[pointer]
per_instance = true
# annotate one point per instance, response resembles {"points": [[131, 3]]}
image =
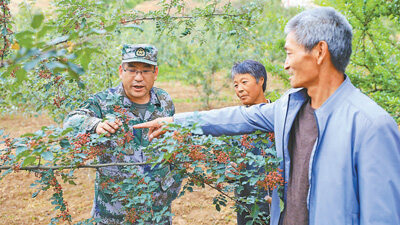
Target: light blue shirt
{"points": [[354, 170]]}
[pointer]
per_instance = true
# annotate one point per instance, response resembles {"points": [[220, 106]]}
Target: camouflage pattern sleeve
{"points": [[166, 101], [85, 118]]}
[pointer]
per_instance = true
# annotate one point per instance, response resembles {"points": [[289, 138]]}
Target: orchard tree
{"points": [[375, 62]]}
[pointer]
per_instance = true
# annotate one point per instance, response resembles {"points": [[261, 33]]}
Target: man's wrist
{"points": [[93, 123]]}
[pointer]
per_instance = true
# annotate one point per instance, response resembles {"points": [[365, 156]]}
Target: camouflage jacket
{"points": [[101, 106]]}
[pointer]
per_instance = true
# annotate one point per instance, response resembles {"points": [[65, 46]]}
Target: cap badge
{"points": [[140, 52]]}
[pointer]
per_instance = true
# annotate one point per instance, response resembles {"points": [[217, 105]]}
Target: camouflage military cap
{"points": [[144, 53]]}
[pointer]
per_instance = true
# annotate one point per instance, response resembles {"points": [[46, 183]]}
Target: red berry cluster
{"points": [[195, 153], [58, 81], [173, 157], [180, 137], [141, 181], [81, 140], [123, 113], [241, 166], [222, 157], [5, 20], [33, 144], [246, 141], [57, 101], [105, 184], [80, 144], [64, 214], [272, 180], [128, 137], [16, 168], [116, 190], [57, 187], [5, 158], [131, 215], [270, 136], [8, 142], [197, 179], [45, 74]]}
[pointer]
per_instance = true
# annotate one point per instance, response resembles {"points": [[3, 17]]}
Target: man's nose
{"points": [[286, 65], [138, 76]]}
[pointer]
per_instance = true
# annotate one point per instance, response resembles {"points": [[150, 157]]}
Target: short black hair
{"points": [[254, 68]]}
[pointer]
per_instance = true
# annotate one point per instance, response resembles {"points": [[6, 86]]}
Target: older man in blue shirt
{"points": [[341, 151]]}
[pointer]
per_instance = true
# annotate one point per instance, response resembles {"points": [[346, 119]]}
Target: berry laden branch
{"points": [[72, 167]]}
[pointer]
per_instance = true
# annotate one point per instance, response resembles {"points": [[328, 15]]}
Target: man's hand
{"points": [[108, 127], [156, 127]]}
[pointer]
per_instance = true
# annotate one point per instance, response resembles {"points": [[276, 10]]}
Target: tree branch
{"points": [[181, 17], [94, 166]]}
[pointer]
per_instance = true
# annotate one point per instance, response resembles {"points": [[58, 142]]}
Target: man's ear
{"points": [[261, 81], [120, 71], [155, 72], [321, 52]]}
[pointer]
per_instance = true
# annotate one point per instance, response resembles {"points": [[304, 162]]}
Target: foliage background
{"points": [[53, 59]]}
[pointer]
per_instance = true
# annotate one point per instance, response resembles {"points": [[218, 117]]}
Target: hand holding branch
{"points": [[108, 127]]}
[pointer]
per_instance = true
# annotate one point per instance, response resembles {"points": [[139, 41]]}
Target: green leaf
{"points": [[67, 130], [217, 207], [64, 143], [25, 38], [81, 85], [134, 26], [111, 27], [55, 64], [20, 149], [31, 64], [58, 40], [35, 193], [20, 75], [255, 211], [98, 31], [37, 20], [48, 156], [43, 31], [77, 69], [71, 182], [29, 161]]}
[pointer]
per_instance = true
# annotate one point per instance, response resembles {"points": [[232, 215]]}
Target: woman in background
{"points": [[250, 81]]}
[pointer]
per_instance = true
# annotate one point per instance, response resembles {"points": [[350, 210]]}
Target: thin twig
{"points": [[181, 17], [73, 167]]}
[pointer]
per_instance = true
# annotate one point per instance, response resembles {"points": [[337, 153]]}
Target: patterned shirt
{"points": [[101, 106]]}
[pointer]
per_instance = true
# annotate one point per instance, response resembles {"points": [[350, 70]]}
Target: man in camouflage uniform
{"points": [[141, 102]]}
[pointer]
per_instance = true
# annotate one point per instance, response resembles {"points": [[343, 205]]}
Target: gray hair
{"points": [[254, 68], [324, 24]]}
